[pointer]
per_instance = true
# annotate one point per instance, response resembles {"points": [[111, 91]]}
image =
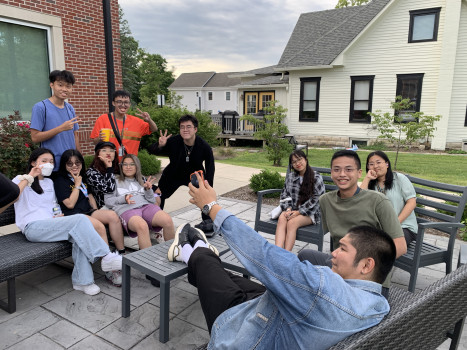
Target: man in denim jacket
{"points": [[300, 306]]}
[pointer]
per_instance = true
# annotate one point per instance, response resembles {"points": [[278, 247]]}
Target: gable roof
{"points": [[222, 80], [319, 37], [204, 79], [254, 72], [192, 80]]}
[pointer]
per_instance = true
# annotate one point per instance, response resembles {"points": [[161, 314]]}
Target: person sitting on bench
{"points": [[299, 305]]}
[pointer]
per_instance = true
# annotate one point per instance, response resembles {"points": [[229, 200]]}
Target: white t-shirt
{"points": [[32, 206]]}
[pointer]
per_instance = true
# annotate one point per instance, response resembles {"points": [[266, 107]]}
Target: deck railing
{"points": [[231, 124]]}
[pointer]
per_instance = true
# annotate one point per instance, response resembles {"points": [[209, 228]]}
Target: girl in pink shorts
{"points": [[134, 201]]}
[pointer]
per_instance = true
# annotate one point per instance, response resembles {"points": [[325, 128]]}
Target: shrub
{"points": [[266, 180], [88, 160], [150, 165], [15, 145]]}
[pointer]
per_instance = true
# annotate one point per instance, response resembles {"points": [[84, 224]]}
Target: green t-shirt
{"points": [[368, 208]]}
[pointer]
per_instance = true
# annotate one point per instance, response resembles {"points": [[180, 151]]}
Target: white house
{"points": [[345, 62], [207, 91]]}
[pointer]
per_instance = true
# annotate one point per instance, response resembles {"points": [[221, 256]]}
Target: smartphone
{"points": [[194, 179]]}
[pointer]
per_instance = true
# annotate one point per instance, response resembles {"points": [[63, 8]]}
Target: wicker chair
{"points": [[422, 320], [19, 256]]}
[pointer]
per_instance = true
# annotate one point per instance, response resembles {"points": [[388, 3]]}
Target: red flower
{"points": [[27, 145]]}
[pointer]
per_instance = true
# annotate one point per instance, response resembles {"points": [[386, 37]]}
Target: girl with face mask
{"points": [[37, 218]]}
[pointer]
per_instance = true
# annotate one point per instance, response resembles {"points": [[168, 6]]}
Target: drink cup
{"points": [[106, 134]]}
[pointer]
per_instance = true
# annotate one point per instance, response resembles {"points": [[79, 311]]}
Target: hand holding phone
{"points": [[194, 179]]}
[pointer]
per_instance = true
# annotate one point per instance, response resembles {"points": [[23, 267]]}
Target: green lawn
{"points": [[443, 168]]}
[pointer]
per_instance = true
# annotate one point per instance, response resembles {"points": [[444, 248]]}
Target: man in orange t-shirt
{"points": [[131, 129]]}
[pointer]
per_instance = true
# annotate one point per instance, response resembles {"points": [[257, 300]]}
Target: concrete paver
{"points": [[51, 315]]}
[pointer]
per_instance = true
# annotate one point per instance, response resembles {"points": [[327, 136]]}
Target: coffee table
{"points": [[153, 261]]}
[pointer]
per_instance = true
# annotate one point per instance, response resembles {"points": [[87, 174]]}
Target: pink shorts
{"points": [[147, 212]]}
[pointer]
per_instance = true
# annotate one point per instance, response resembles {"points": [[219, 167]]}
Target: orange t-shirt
{"points": [[135, 129]]}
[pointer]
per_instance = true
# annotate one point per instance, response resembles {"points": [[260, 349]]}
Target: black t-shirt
{"points": [[63, 187]]}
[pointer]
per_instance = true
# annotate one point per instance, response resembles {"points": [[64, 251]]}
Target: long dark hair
{"points": [[307, 186], [66, 156], [36, 187], [100, 166], [389, 178]]}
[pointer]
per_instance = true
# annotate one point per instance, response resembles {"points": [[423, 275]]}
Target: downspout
{"points": [[109, 53]]}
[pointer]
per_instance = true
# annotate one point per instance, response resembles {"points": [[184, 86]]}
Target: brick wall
{"points": [[84, 45]]}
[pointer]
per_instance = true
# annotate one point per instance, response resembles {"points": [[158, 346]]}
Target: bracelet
{"points": [[27, 177]]}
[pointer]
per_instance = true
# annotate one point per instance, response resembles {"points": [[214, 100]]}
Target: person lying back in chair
{"points": [[299, 305]]}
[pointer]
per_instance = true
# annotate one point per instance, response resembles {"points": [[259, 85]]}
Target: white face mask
{"points": [[47, 169]]}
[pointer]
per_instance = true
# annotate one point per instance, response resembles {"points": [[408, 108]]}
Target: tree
{"points": [[346, 3], [155, 77], [271, 129], [415, 126], [129, 48]]}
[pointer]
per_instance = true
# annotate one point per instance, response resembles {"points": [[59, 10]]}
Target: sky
{"points": [[216, 35]]}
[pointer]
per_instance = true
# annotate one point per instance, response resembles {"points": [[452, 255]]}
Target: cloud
{"points": [[229, 35]]}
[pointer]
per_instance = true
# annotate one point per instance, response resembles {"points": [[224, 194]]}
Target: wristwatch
{"points": [[207, 208]]}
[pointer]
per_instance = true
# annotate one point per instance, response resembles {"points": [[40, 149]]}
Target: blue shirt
{"points": [[304, 307], [42, 121]]}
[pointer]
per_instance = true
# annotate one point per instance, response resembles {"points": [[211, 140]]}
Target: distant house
{"points": [[345, 62], [207, 91], [37, 37], [260, 86]]}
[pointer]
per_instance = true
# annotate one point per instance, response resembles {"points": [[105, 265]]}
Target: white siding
{"points": [[383, 51], [456, 129]]}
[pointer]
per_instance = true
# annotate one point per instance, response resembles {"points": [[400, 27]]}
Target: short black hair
{"points": [[370, 242], [188, 118], [62, 75], [120, 93], [347, 153]]}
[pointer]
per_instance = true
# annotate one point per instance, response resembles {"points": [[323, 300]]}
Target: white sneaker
{"points": [[89, 289], [111, 262], [114, 277]]}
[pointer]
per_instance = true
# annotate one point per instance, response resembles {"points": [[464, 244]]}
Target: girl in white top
{"points": [[38, 218]]}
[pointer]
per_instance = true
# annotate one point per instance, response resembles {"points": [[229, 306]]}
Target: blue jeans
{"points": [[88, 246]]}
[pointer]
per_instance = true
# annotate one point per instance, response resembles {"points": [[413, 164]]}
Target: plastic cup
{"points": [[106, 134]]}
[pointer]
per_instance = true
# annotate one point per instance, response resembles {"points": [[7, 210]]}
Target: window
{"points": [[309, 99], [24, 53], [410, 86], [255, 101], [227, 95], [424, 25], [361, 96], [210, 96]]}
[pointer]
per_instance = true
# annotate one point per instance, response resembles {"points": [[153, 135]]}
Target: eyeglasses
{"points": [[186, 127], [122, 103], [107, 150], [377, 163], [70, 164], [296, 161], [347, 170], [128, 165]]}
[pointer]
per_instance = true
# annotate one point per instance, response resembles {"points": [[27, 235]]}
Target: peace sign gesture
{"points": [[145, 115], [148, 184], [163, 138]]}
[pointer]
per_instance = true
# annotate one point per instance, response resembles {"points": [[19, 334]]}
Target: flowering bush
{"points": [[15, 145]]}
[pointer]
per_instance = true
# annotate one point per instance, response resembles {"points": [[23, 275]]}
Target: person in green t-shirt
{"points": [[351, 206]]}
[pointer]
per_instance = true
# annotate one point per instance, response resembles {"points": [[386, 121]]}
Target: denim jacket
{"points": [[304, 307]]}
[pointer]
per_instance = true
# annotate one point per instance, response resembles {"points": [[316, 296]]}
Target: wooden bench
{"points": [[19, 256]]}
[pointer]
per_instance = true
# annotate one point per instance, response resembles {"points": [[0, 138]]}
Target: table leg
{"points": [[126, 281], [164, 312]]}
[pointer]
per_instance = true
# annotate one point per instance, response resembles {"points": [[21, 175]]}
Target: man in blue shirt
{"points": [[299, 305], [53, 121]]}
